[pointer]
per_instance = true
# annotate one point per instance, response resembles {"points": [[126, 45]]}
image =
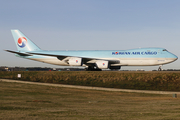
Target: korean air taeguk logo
{"points": [[22, 41]]}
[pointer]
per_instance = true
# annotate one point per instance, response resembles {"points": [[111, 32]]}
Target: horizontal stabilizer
{"points": [[19, 53]]}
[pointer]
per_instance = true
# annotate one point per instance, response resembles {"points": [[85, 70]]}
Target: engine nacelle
{"points": [[102, 64], [73, 61]]}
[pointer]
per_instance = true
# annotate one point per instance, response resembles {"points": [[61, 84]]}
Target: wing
{"points": [[86, 60], [65, 58]]}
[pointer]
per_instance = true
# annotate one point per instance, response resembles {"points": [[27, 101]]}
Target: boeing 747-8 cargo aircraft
{"points": [[92, 60]]}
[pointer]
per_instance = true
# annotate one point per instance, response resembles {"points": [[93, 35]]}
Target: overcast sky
{"points": [[90, 25]]}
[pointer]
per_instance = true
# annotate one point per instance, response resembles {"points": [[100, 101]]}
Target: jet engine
{"points": [[73, 61], [102, 64]]}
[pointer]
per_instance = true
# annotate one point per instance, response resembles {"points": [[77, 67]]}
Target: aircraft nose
{"points": [[174, 57]]}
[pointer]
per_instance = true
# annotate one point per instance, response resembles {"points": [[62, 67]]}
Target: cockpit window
{"points": [[164, 50]]}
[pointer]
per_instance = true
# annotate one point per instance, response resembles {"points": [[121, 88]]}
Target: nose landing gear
{"points": [[160, 69]]}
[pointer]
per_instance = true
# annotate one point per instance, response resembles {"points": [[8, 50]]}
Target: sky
{"points": [[90, 25]]}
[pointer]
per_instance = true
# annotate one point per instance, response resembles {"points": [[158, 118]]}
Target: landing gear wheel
{"points": [[89, 68], [159, 69]]}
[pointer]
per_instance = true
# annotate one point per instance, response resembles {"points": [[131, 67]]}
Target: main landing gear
{"points": [[160, 69], [92, 68]]}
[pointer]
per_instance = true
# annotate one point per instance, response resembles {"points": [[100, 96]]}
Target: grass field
{"points": [[24, 101], [160, 81]]}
